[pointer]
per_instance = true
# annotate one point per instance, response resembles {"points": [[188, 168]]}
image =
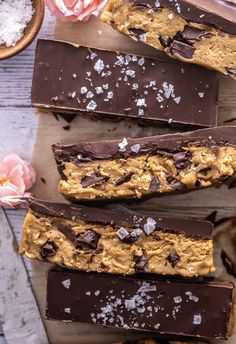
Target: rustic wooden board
{"points": [[195, 204]]}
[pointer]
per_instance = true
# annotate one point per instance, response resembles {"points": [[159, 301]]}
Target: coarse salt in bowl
{"points": [[20, 21]]}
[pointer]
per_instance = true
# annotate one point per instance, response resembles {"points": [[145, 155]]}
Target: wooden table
{"points": [[18, 133]]}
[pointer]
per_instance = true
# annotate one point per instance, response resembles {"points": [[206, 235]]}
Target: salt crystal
{"points": [[177, 100], [141, 102], [92, 56], [91, 105], [109, 95], [170, 120], [97, 292], [88, 293], [135, 86], [130, 73], [201, 94], [99, 90], [171, 16], [191, 296], [135, 148], [73, 94], [66, 283], [140, 112], [105, 86], [178, 299], [74, 75], [67, 310], [89, 94], [122, 145], [197, 319], [122, 233], [130, 304], [15, 15], [143, 37], [150, 226], [99, 66], [141, 61], [83, 90]]}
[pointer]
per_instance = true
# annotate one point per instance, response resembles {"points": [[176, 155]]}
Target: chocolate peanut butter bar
{"points": [[112, 84], [84, 238], [133, 168], [199, 310], [195, 31]]}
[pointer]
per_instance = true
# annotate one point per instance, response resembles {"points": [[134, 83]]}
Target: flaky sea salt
{"points": [[14, 17]]}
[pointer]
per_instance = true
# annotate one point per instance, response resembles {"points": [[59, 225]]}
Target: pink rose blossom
{"points": [[75, 10], [16, 177]]}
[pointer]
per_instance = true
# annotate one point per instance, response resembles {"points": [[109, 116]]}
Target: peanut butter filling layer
{"points": [[144, 175], [166, 30], [94, 247]]}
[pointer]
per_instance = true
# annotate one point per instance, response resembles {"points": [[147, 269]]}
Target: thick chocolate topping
{"points": [[71, 79], [200, 310], [192, 228], [219, 13], [148, 145]]}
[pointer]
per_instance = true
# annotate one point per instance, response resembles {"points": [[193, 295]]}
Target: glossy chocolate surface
{"points": [[105, 83], [84, 152], [192, 228], [192, 309]]}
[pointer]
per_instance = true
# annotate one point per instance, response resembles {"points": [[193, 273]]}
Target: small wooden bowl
{"points": [[30, 32]]}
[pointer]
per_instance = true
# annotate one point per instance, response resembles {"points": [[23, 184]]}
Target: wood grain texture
{"points": [[19, 314]]}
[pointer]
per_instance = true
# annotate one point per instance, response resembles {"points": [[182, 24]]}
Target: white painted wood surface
{"points": [[19, 125]]}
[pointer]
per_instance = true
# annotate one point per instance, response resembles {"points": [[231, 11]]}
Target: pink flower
{"points": [[16, 177], [75, 10]]}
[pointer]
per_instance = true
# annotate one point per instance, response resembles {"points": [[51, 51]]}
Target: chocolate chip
{"points": [[164, 41], [181, 160], [173, 259], [228, 263], [88, 239], [124, 179], [181, 48], [94, 179], [67, 231], [99, 250], [175, 183], [141, 264], [231, 71], [137, 32], [154, 184], [192, 35], [49, 249]]}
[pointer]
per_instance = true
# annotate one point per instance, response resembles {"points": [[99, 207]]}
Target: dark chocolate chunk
{"points": [[49, 249], [181, 48], [182, 160], [88, 239], [67, 231], [124, 179], [192, 35], [173, 258], [94, 179], [164, 41], [147, 304], [141, 264], [228, 263], [137, 32], [175, 183], [231, 71], [154, 184]]}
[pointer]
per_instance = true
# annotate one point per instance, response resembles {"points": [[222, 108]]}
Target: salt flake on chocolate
{"points": [[91, 106], [66, 283], [99, 90], [122, 233], [135, 148], [99, 66], [141, 102], [67, 310], [150, 226], [83, 90], [177, 100], [122, 145], [197, 319]]}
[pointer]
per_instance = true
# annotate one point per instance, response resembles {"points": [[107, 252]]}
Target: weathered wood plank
{"points": [[19, 315]]}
